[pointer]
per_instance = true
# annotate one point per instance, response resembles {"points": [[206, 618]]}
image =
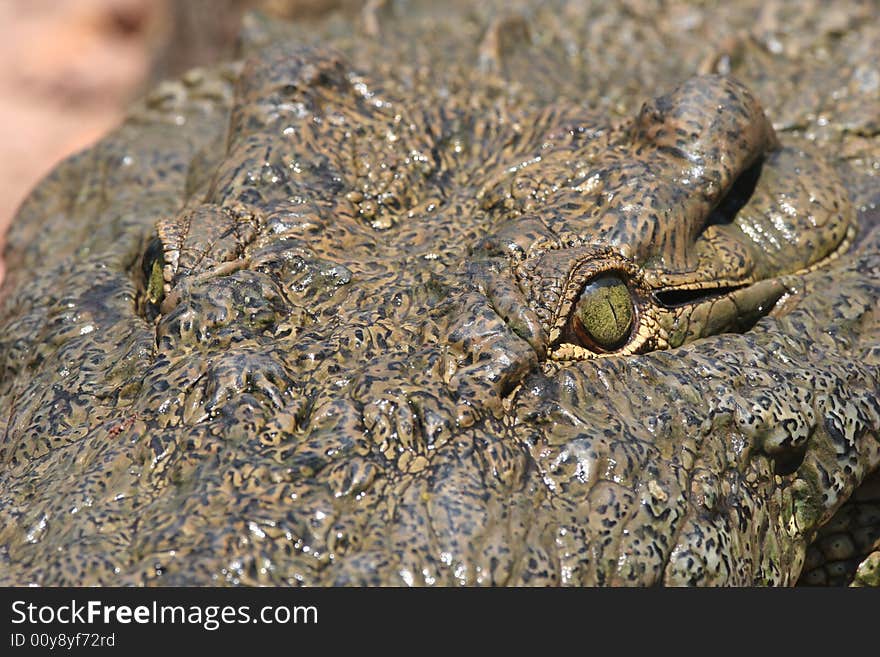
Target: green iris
{"points": [[604, 313], [152, 266]]}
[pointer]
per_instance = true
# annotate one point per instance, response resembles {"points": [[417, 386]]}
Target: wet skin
{"points": [[329, 317]]}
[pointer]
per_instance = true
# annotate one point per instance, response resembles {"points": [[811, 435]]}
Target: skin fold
{"points": [[406, 298]]}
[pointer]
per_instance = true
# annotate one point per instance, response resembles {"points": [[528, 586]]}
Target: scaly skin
{"points": [[308, 319]]}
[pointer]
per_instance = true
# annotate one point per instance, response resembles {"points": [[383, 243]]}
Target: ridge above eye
{"points": [[604, 314]]}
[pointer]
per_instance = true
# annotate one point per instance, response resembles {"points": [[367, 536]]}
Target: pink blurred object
{"points": [[67, 70]]}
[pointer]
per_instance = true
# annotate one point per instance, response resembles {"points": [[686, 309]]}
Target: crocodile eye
{"points": [[151, 267], [603, 315]]}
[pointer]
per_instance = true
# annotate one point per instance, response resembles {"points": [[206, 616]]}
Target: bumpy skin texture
{"points": [[351, 363]]}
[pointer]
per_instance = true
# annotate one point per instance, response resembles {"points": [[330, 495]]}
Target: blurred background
{"points": [[69, 68]]}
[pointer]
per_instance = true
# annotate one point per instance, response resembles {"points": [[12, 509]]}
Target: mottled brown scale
{"points": [[373, 232]]}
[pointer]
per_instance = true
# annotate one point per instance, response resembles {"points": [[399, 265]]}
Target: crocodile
{"points": [[561, 293]]}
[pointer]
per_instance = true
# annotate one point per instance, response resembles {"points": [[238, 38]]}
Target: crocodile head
{"points": [[672, 226], [305, 321]]}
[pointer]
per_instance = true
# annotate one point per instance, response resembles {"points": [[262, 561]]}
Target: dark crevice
{"points": [[678, 298], [737, 196], [788, 462]]}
